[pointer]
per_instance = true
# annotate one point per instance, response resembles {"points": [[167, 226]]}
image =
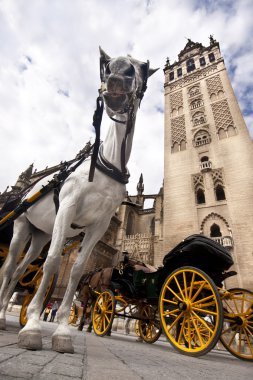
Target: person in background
{"points": [[54, 311], [47, 311]]}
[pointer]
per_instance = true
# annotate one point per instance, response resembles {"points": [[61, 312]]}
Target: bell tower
{"points": [[208, 168]]}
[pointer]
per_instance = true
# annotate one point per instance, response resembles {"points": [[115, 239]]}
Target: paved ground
{"points": [[118, 357]]}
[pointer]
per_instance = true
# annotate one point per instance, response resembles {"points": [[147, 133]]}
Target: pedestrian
{"points": [[54, 311], [47, 311], [127, 326]]}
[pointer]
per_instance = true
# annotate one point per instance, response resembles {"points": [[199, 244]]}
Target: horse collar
{"points": [[110, 170]]}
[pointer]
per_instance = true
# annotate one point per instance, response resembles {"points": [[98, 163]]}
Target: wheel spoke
{"points": [[229, 328], [233, 336], [191, 286], [181, 330], [170, 301], [189, 333], [197, 331], [198, 291], [203, 322], [171, 312], [175, 294], [179, 287], [205, 311], [248, 341], [176, 320], [250, 333], [185, 285], [203, 300]]}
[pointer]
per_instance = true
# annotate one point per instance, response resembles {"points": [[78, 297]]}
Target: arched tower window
{"points": [[222, 134], [130, 224], [194, 91], [220, 193], [215, 230], [190, 65], [175, 148], [198, 118], [202, 137], [200, 196], [196, 104], [231, 131], [204, 159], [182, 145]]}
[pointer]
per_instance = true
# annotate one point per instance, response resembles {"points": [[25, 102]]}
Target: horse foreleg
{"points": [[30, 335], [62, 341], [18, 242], [39, 240]]}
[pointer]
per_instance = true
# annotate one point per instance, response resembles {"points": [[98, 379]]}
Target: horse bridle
{"points": [[97, 159]]}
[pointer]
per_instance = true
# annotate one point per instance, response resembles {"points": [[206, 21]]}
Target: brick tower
{"points": [[208, 169]]}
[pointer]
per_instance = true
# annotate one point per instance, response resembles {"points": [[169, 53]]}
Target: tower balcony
{"points": [[225, 241], [202, 141], [205, 166]]}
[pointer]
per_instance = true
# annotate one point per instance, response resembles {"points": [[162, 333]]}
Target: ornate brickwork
{"points": [[214, 85], [194, 91], [217, 177], [178, 131], [140, 247], [176, 100], [198, 181], [222, 116], [192, 78]]}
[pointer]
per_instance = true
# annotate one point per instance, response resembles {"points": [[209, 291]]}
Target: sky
{"points": [[49, 73]]}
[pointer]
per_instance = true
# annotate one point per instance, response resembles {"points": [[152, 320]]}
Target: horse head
{"points": [[123, 81]]}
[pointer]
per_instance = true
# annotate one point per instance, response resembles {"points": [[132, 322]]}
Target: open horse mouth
{"points": [[117, 102]]}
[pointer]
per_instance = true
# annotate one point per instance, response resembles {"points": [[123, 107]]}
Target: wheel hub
{"points": [[184, 305], [240, 321]]}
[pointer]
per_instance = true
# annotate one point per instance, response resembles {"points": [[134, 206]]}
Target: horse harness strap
{"points": [[110, 170]]}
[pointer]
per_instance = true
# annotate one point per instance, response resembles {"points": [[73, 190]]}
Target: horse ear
{"points": [[104, 57], [152, 71]]}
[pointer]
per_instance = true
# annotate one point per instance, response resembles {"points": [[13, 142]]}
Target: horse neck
{"points": [[114, 138]]}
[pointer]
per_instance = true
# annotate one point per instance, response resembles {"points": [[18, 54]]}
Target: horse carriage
{"points": [[185, 298]]}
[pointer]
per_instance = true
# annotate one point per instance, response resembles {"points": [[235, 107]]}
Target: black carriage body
{"points": [[201, 252], [197, 251]]}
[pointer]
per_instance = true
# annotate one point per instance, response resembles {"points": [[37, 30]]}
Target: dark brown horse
{"points": [[120, 277]]}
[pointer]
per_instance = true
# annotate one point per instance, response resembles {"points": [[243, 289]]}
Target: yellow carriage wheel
{"points": [[137, 327], [191, 311], [28, 298], [103, 313], [149, 326], [237, 334], [73, 315]]}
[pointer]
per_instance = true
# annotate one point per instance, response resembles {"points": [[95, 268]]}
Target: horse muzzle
{"points": [[116, 102]]}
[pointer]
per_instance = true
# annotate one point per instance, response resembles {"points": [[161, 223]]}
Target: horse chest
{"points": [[95, 206]]}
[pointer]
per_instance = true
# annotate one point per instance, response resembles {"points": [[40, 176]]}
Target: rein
{"points": [[97, 119]]}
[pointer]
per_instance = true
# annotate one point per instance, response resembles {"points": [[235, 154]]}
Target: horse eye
{"points": [[108, 70], [130, 71]]}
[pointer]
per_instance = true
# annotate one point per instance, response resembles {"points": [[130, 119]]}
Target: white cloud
{"points": [[49, 72]]}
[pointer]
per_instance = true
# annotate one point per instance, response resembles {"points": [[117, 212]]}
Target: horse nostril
{"points": [[130, 71]]}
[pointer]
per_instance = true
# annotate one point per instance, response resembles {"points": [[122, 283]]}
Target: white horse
{"points": [[89, 205]]}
